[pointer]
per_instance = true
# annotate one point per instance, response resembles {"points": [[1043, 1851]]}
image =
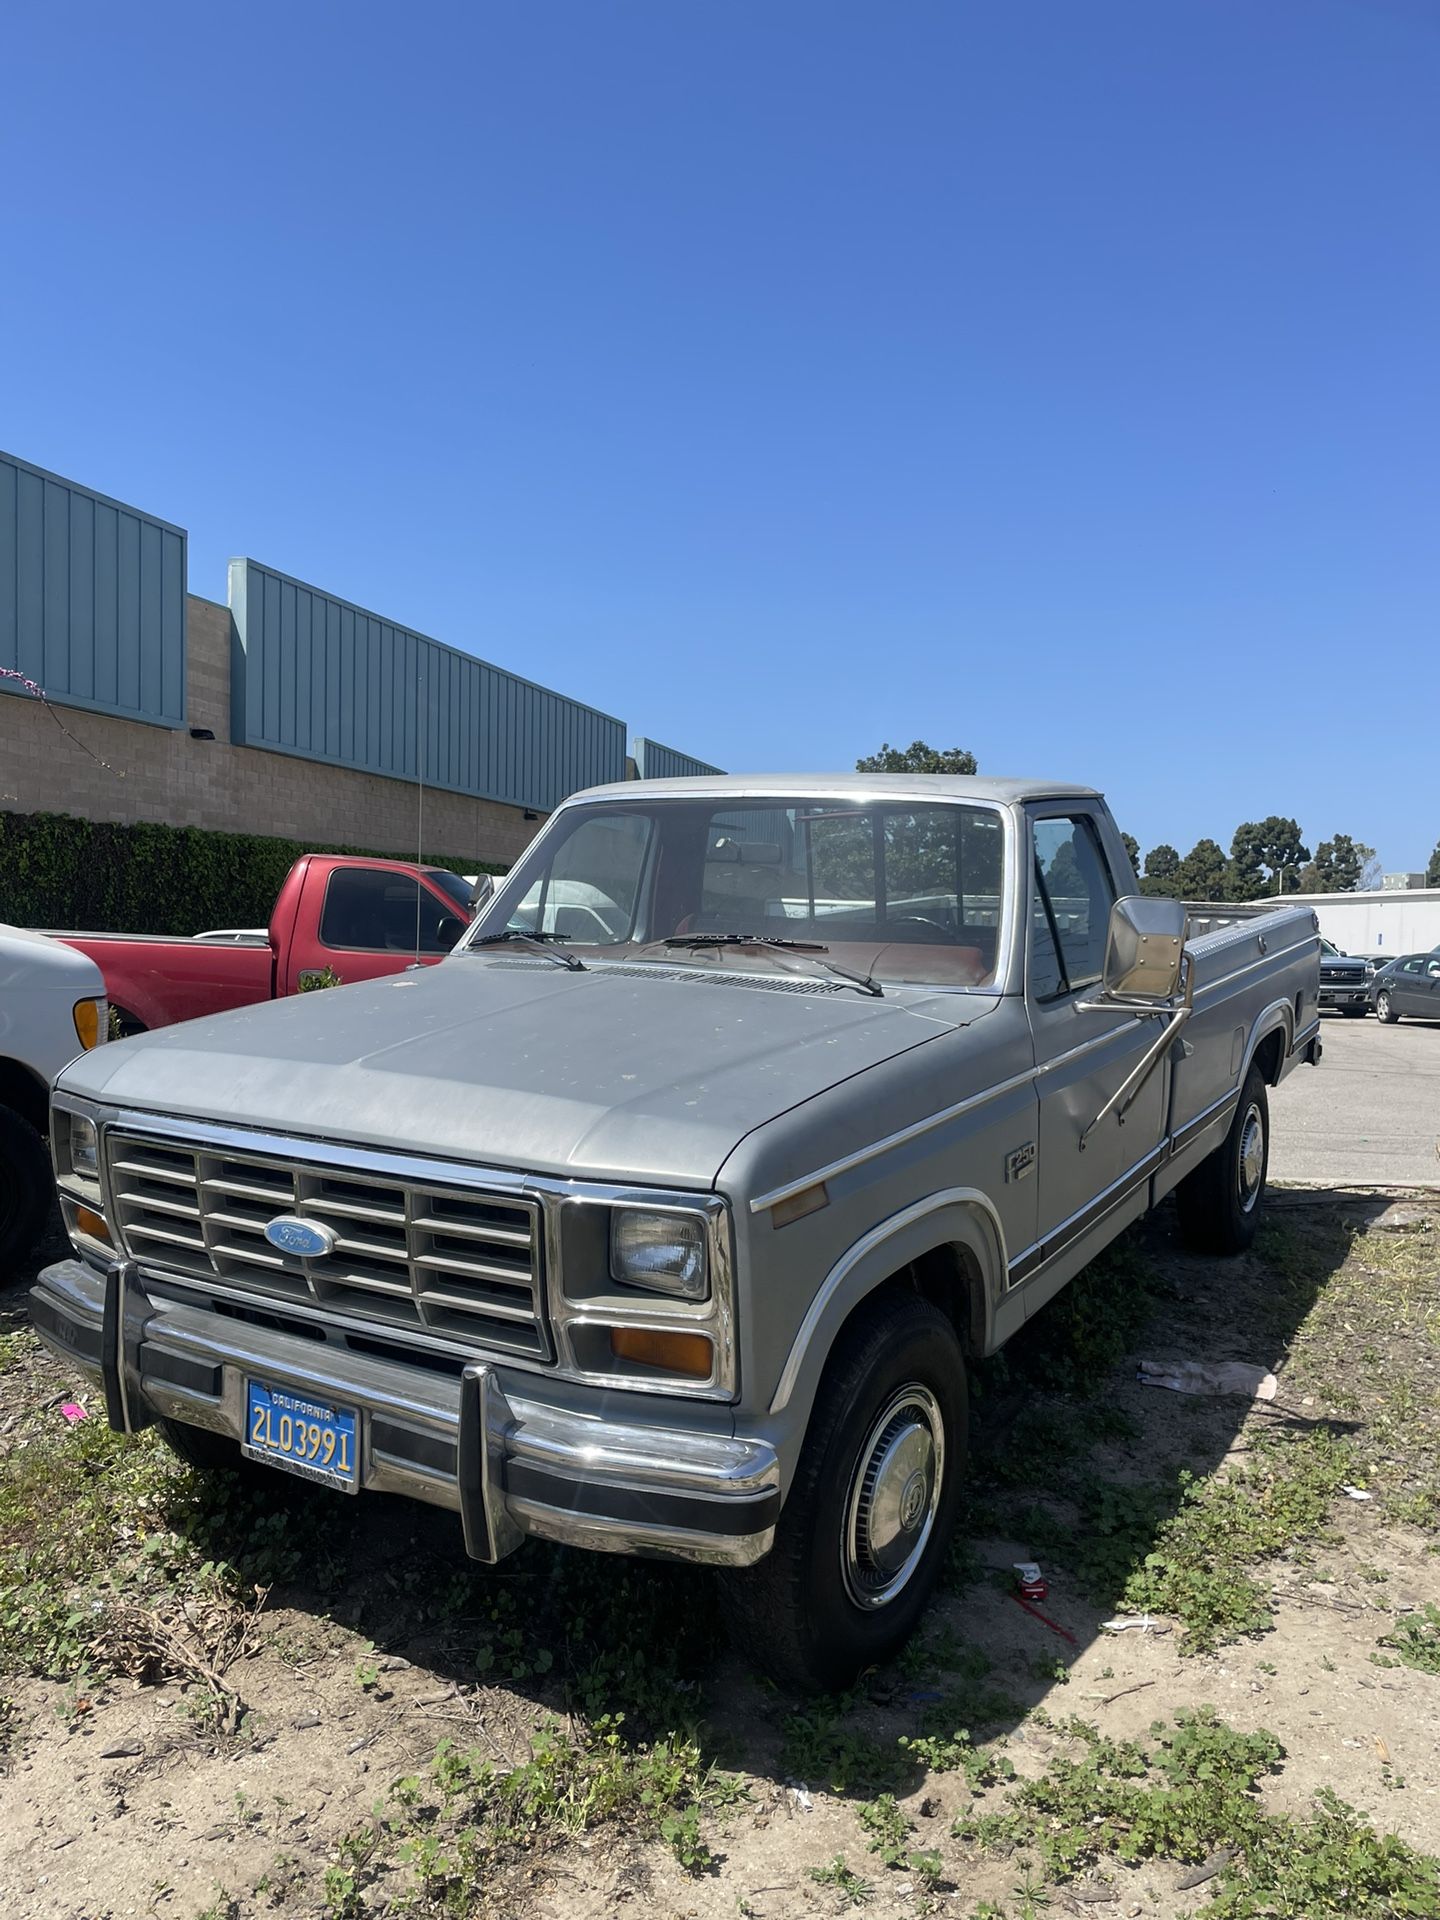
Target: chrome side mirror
{"points": [[1144, 948]]}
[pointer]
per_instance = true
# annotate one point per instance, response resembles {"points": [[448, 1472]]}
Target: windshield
{"points": [[455, 884], [906, 892]]}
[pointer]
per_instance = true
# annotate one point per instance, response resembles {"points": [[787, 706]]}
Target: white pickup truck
{"points": [[52, 1006]]}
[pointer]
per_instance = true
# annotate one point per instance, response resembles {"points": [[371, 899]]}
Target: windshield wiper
{"points": [[535, 942], [811, 949]]}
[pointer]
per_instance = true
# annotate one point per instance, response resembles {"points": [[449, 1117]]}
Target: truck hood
{"points": [[33, 961], [634, 1074]]}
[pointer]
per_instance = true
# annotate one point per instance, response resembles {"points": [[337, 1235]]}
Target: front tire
{"points": [[1221, 1201], [1385, 1008], [27, 1186], [863, 1533]]}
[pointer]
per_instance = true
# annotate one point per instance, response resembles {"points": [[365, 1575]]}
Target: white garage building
{"points": [[1378, 922]]}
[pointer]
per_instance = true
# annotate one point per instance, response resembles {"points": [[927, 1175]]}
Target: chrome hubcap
{"points": [[1384, 1006], [1252, 1158], [894, 1497]]}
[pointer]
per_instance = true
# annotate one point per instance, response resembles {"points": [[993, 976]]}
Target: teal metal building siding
{"points": [[92, 598], [320, 678], [654, 762]]}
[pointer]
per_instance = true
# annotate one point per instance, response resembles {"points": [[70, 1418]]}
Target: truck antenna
{"points": [[419, 798]]}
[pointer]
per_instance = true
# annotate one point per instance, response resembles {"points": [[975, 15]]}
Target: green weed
{"points": [[1084, 1331], [821, 1745], [1188, 1795], [954, 1753], [1416, 1640], [848, 1884]]}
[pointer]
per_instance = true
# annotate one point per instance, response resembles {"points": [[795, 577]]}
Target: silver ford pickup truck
{"points": [[665, 1214]]}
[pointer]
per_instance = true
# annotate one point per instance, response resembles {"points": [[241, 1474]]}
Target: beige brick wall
{"points": [[154, 773]]}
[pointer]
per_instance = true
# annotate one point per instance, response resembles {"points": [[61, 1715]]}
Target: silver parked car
{"points": [[666, 1215]]}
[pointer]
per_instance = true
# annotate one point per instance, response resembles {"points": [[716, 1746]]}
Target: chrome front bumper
{"points": [[509, 1466]]}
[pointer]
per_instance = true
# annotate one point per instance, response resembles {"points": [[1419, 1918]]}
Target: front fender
{"points": [[957, 1216]]}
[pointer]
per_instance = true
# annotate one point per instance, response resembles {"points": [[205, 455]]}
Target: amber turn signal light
{"points": [[687, 1353], [87, 1221], [87, 1023]]}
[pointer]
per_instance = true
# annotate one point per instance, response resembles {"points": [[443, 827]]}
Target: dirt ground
{"points": [[228, 1699]]}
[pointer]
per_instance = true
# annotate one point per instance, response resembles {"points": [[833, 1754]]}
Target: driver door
{"points": [[1083, 1053]]}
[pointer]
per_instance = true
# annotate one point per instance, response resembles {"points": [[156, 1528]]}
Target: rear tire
{"points": [[27, 1187], [864, 1530], [1385, 1008], [1221, 1201]]}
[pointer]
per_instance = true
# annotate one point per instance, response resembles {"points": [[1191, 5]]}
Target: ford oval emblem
{"points": [[307, 1239]]}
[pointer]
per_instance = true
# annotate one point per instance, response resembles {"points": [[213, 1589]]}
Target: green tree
{"points": [[1432, 872], [1340, 866], [1204, 872], [1063, 877], [1132, 850], [918, 758], [1162, 863], [1266, 857]]}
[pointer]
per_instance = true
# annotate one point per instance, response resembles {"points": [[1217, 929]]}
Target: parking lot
{"points": [[1369, 1114]]}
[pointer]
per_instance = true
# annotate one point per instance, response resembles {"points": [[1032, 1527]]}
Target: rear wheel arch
{"points": [[1270, 1043], [1270, 1054]]}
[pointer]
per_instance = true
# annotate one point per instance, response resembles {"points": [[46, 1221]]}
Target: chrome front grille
{"points": [[460, 1263]]}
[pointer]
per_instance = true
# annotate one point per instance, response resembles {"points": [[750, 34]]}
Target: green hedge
{"points": [[59, 871]]}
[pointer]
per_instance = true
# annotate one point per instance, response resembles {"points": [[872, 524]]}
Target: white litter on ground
{"points": [[1209, 1376]]}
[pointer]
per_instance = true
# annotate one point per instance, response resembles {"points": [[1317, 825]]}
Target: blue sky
{"points": [[1058, 381]]}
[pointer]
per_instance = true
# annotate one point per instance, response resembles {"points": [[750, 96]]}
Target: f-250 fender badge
{"points": [[1020, 1162]]}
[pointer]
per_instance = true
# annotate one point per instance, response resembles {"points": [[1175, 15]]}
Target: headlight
{"points": [[84, 1146], [75, 1141], [662, 1252]]}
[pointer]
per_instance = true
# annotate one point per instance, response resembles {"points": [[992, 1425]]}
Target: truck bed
{"points": [[154, 979], [1248, 961]]}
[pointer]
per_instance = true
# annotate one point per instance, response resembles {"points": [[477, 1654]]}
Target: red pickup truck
{"points": [[359, 918]]}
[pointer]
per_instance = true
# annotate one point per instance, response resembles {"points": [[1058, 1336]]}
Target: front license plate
{"points": [[304, 1436]]}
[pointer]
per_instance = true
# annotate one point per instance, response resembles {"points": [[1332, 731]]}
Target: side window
{"points": [[1411, 966], [1047, 978], [1074, 895], [370, 911]]}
